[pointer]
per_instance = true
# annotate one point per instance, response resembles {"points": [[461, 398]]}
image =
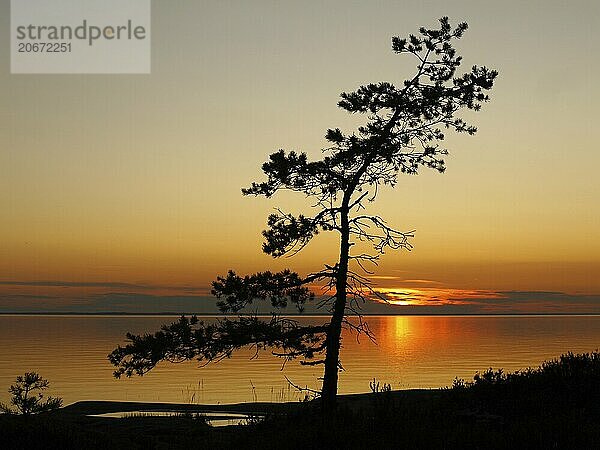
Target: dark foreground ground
{"points": [[556, 406]]}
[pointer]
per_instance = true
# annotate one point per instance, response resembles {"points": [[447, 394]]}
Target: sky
{"points": [[122, 192]]}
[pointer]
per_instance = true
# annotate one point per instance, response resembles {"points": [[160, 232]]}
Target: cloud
{"points": [[147, 303], [99, 284], [460, 301], [417, 281], [33, 296], [116, 285], [404, 282], [113, 302]]}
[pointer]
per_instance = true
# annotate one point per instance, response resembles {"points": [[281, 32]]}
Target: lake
{"points": [[410, 352]]}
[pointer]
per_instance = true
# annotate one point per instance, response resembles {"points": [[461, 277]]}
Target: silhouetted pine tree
{"points": [[403, 131]]}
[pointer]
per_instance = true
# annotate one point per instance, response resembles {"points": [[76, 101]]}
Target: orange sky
{"points": [[136, 179]]}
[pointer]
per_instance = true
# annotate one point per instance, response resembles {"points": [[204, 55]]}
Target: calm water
{"points": [[411, 352]]}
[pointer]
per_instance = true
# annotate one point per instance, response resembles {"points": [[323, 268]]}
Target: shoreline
{"points": [[351, 401]]}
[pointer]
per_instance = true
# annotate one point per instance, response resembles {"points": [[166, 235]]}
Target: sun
{"points": [[403, 296]]}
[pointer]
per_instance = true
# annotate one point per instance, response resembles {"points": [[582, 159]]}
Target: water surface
{"points": [[410, 352]]}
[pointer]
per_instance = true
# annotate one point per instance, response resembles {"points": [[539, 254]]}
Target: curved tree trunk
{"points": [[330, 377]]}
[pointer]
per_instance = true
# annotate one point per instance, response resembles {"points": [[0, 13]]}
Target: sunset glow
{"points": [[133, 182], [432, 296]]}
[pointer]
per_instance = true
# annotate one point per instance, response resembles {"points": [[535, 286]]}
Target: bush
{"points": [[27, 397]]}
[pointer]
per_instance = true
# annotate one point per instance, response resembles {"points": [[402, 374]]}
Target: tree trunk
{"points": [[330, 377]]}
